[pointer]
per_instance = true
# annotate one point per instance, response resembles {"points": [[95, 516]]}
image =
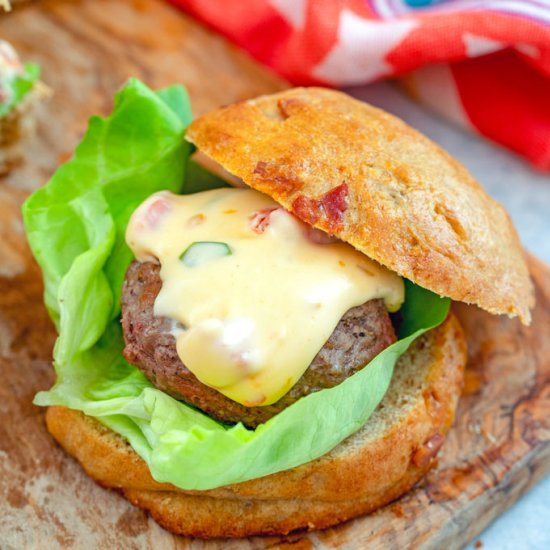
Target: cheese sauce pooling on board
{"points": [[254, 291]]}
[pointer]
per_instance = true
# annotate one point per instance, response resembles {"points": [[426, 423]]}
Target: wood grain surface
{"points": [[499, 447]]}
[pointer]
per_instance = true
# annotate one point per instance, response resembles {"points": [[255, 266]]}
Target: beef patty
{"points": [[362, 333]]}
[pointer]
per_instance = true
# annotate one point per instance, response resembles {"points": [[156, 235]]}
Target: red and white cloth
{"points": [[483, 63]]}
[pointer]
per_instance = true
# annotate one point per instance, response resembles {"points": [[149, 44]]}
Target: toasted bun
{"points": [[377, 464], [365, 176]]}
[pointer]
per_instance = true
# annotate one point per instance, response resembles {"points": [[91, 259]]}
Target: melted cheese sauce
{"points": [[256, 291]]}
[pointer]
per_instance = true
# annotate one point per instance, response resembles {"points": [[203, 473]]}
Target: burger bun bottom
{"points": [[374, 466]]}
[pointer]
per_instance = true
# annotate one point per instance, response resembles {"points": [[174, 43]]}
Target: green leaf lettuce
{"points": [[76, 226]]}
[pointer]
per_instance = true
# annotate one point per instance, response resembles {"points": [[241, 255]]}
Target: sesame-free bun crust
{"points": [[377, 464], [365, 176]]}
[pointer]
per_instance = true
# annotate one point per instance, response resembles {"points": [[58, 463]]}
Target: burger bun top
{"points": [[366, 177]]}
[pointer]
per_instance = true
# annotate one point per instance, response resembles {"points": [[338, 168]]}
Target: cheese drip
{"points": [[253, 290]]}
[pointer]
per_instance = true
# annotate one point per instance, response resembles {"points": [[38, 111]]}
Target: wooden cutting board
{"points": [[499, 447]]}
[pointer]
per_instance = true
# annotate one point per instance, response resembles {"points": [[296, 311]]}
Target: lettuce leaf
{"points": [[76, 225], [18, 86]]}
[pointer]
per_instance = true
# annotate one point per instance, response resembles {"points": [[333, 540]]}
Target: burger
{"points": [[274, 355]]}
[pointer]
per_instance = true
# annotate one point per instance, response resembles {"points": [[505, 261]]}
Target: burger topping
{"points": [[256, 296], [331, 206], [198, 253]]}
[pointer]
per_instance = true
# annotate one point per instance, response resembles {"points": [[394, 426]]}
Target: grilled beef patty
{"points": [[362, 333]]}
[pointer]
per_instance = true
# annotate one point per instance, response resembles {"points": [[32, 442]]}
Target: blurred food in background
{"points": [[20, 91]]}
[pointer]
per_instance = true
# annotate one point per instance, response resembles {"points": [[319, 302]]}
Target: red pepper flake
{"points": [[257, 402], [260, 220], [306, 209], [289, 106], [272, 173], [428, 451], [197, 219], [155, 211], [330, 207], [335, 203]]}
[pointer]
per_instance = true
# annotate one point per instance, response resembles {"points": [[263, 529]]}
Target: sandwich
{"points": [[20, 90], [274, 355]]}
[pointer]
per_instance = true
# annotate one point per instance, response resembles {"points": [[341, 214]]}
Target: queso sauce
{"points": [[254, 293]]}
